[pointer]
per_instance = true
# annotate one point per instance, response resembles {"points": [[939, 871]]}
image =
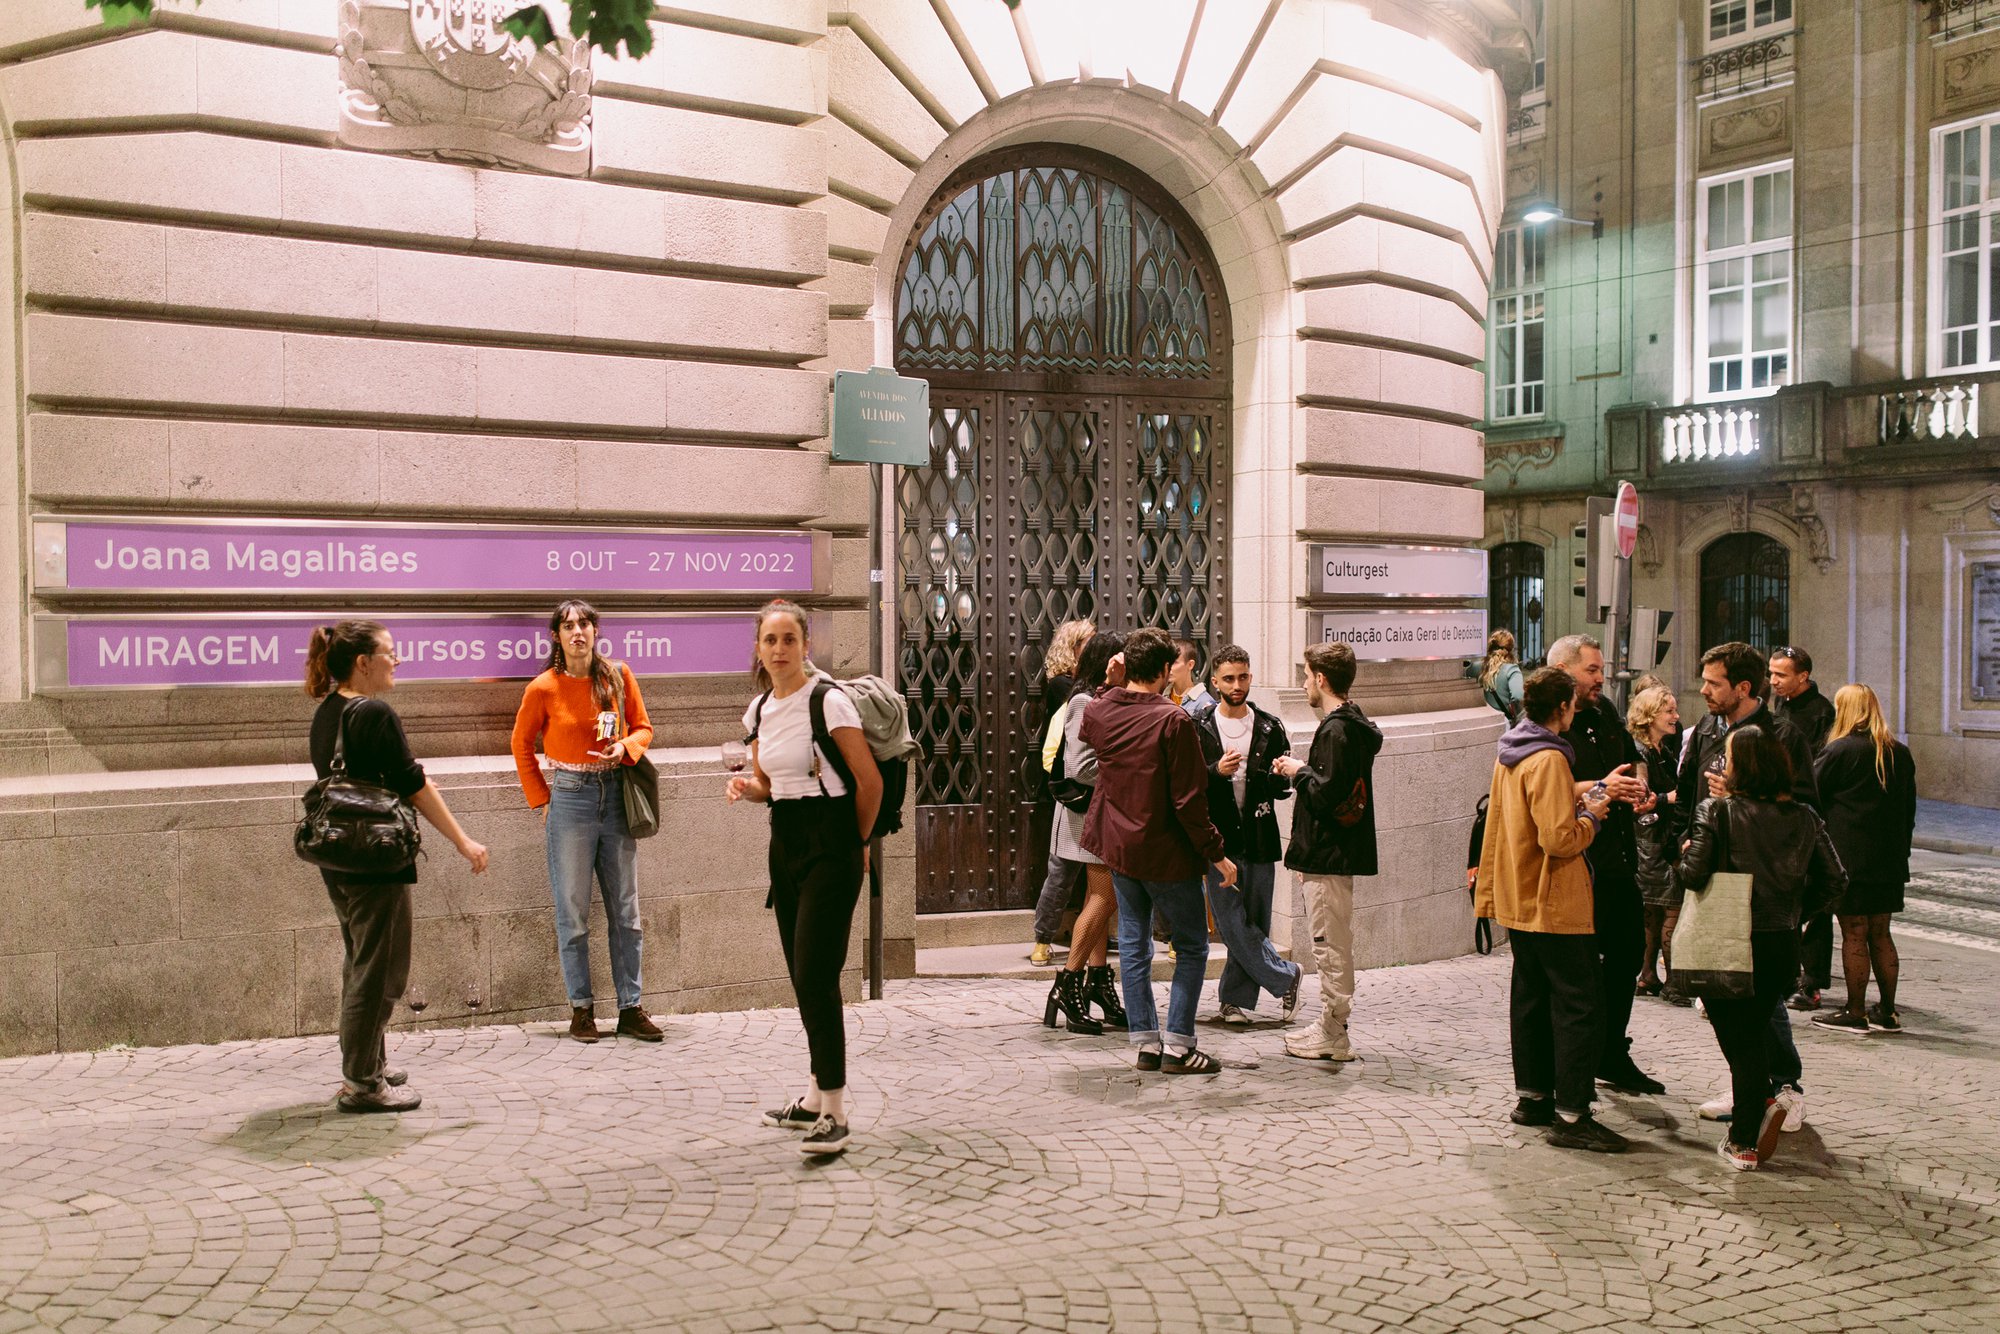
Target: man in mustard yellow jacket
{"points": [[1534, 881]]}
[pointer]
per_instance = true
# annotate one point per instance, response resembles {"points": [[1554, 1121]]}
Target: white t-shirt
{"points": [[1235, 734], [785, 746]]}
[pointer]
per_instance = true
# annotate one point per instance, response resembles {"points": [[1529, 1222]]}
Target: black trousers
{"points": [[375, 928], [815, 866], [1743, 1029], [1621, 949], [1816, 959], [1553, 1018]]}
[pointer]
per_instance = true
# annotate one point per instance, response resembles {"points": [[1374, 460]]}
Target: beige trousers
{"points": [[1330, 913]]}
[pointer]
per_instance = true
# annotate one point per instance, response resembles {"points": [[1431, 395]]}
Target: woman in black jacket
{"points": [[1653, 720], [1759, 829], [1868, 792], [349, 667]]}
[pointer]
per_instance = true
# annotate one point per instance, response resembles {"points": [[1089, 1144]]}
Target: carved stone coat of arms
{"points": [[441, 78]]}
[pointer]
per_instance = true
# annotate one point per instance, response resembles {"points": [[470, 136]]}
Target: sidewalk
{"points": [[1005, 1177], [1944, 826]]}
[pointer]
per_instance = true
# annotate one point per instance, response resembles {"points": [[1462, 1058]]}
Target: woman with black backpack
{"points": [[1088, 979], [349, 666], [819, 852]]}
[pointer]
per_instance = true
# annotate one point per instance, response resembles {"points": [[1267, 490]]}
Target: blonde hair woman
{"points": [[1652, 719], [1868, 796], [1500, 678], [1059, 880]]}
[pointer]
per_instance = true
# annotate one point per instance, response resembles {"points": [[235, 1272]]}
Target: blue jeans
{"points": [[586, 835], [1243, 920], [1786, 1068], [1187, 924]]}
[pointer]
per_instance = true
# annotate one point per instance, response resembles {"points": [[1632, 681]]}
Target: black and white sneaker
{"points": [[826, 1137], [792, 1116]]}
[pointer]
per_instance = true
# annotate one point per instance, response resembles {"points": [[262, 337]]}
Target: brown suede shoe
{"points": [[582, 1024], [636, 1023]]}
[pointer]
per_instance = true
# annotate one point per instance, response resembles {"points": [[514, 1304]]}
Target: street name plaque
{"points": [[119, 652], [261, 557], [881, 417], [1387, 636], [1341, 570]]}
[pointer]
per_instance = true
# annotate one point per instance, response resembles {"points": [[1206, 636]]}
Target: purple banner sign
{"points": [[262, 557], [129, 652]]}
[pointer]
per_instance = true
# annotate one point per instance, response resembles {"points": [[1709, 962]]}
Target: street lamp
{"points": [[1546, 212]]}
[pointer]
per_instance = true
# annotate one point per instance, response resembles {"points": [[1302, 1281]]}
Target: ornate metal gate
{"points": [[1075, 336]]}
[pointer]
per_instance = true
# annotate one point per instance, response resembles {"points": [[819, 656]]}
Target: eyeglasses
{"points": [[394, 657], [1785, 651]]}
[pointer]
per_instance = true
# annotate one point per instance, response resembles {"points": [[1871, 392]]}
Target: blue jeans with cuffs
{"points": [[587, 839]]}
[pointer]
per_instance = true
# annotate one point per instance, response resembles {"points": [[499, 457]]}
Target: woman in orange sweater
{"points": [[591, 721]]}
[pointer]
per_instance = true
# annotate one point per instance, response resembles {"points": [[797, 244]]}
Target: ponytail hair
{"points": [[775, 607], [1499, 652], [604, 682], [331, 652]]}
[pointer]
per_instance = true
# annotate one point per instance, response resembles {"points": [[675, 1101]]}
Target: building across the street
{"points": [[329, 308], [1769, 301]]}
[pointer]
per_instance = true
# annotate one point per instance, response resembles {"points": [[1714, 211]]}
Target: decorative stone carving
{"points": [[440, 78], [1510, 523], [1959, 512], [1511, 456], [1966, 78], [1735, 132], [1648, 550], [1802, 508]]}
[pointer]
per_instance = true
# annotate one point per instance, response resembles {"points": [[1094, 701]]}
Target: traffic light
{"points": [[1595, 558], [1647, 649]]}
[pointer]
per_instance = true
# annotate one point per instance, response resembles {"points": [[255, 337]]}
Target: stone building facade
{"points": [[359, 261], [1782, 337]]}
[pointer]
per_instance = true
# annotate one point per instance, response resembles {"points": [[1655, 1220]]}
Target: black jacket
{"points": [[1811, 713], [1707, 743], [1333, 821], [1658, 843], [1250, 834], [1601, 743], [1871, 825], [1794, 871]]}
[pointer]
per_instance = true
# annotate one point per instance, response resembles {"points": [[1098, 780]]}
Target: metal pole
{"points": [[875, 665]]}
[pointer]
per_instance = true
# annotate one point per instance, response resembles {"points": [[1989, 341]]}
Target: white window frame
{"points": [[1747, 252], [1754, 28], [1520, 283], [1944, 341]]}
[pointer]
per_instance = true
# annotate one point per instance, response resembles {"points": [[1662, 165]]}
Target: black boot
{"points": [[1066, 994], [1102, 992]]}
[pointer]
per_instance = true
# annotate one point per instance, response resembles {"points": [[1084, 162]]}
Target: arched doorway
{"points": [[1072, 325], [1746, 591], [1516, 587]]}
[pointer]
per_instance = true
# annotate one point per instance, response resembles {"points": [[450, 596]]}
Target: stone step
{"points": [[952, 930], [1011, 960]]}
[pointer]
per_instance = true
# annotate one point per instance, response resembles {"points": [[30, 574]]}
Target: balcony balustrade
{"points": [[1941, 411], [1764, 62]]}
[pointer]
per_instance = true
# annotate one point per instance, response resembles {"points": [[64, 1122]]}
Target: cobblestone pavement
{"points": [[1952, 898], [1006, 1177]]}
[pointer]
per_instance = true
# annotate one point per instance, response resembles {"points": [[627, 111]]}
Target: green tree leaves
{"points": [[604, 24]]}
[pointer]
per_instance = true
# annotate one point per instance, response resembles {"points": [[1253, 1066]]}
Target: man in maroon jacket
{"points": [[1149, 822]]}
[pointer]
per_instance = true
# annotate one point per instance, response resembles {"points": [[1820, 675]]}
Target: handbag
{"points": [[353, 827], [641, 788], [1712, 957]]}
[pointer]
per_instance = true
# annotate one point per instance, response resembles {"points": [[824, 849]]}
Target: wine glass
{"points": [[416, 998], [735, 756]]}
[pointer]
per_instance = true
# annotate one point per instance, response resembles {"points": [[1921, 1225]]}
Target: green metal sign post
{"points": [[884, 420]]}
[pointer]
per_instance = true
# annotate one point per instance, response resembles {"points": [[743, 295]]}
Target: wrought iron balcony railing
{"points": [[1745, 67]]}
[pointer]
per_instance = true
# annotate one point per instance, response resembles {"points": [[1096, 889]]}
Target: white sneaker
{"points": [[1793, 1103], [1232, 1015], [1315, 1045], [1719, 1108]]}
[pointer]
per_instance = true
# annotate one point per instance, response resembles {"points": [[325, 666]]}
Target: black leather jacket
{"points": [[1794, 871], [1250, 834]]}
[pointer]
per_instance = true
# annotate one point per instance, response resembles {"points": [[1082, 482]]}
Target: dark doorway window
{"points": [[1516, 589], [1746, 591]]}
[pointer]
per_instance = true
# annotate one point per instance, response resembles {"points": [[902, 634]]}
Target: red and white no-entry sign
{"points": [[1625, 519]]}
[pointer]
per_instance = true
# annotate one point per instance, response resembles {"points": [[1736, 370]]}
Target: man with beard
{"points": [[1240, 742], [1796, 699], [1606, 756], [1333, 840]]}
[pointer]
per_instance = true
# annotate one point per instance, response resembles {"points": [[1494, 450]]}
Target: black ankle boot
{"points": [[1067, 996], [1102, 992]]}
